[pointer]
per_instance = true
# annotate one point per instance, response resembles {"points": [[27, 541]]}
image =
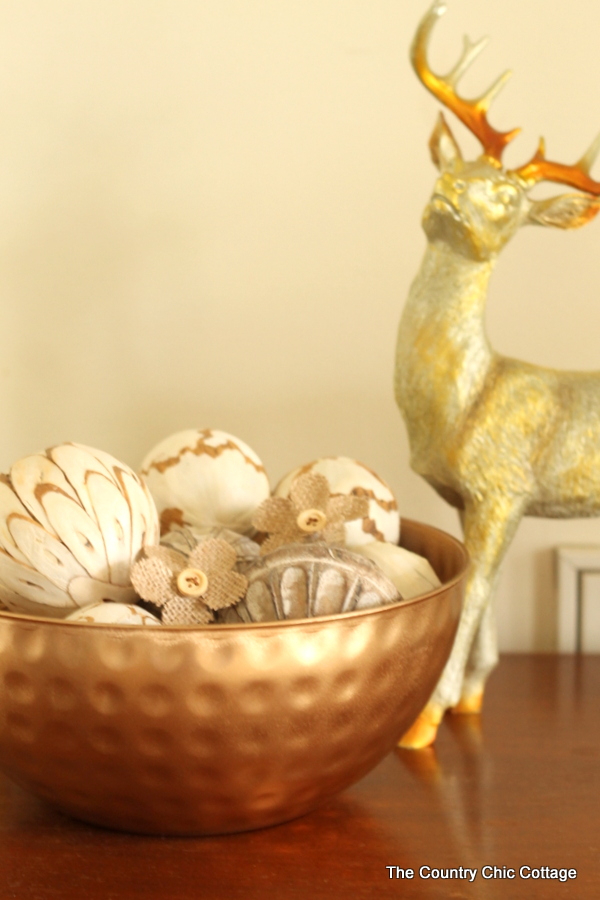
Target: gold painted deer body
{"points": [[497, 438]]}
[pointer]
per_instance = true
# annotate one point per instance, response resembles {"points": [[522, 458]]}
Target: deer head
{"points": [[477, 206]]}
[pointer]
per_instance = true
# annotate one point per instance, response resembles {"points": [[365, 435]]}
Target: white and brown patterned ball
{"points": [[113, 614], [347, 476], [72, 521], [205, 479]]}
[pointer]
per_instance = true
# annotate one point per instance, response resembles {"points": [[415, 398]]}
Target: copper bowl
{"points": [[218, 729]]}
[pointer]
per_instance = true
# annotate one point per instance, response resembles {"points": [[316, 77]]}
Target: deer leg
{"points": [[482, 659], [489, 527]]}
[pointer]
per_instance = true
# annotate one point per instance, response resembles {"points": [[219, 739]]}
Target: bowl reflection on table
{"points": [[179, 730]]}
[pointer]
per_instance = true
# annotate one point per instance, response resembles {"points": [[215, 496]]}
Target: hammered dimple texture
{"points": [[221, 728]]}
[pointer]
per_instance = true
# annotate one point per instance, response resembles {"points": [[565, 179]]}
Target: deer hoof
{"points": [[423, 731], [469, 705]]}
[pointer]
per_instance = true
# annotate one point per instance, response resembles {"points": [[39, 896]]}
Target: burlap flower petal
{"points": [[186, 611], [224, 589], [310, 491], [174, 560], [346, 508], [152, 579], [275, 515], [213, 555]]}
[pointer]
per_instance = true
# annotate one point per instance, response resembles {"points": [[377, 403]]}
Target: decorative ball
{"points": [[113, 614], [301, 581], [184, 540], [347, 476], [205, 479], [72, 520], [411, 573]]}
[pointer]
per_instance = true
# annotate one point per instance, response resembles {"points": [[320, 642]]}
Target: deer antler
{"points": [[578, 175], [471, 113]]}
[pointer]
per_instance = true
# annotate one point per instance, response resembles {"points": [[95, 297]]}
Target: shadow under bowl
{"points": [[221, 728]]}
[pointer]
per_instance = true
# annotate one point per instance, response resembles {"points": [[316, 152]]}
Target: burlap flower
{"points": [[187, 590], [309, 511]]}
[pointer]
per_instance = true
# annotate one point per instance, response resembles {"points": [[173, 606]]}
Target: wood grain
{"points": [[518, 787]]}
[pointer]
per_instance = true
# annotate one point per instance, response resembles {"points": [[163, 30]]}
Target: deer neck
{"points": [[443, 354]]}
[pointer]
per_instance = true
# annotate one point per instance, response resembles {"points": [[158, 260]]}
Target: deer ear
{"points": [[565, 211], [443, 147]]}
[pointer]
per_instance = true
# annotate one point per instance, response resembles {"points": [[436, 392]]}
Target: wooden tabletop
{"points": [[519, 786]]}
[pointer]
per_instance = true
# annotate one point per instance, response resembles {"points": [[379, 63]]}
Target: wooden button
{"points": [[192, 583], [311, 520]]}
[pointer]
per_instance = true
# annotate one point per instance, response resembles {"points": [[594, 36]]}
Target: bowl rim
{"points": [[244, 627]]}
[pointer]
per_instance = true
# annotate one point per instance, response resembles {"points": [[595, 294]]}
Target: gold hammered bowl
{"points": [[178, 730]]}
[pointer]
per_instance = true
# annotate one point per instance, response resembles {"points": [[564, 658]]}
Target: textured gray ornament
{"points": [[308, 580]]}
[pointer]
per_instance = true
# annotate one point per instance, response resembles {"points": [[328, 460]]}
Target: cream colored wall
{"points": [[209, 216]]}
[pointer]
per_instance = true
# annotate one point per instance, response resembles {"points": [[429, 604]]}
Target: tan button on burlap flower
{"points": [[188, 589], [310, 510]]}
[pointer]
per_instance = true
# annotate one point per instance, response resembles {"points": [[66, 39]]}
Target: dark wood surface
{"points": [[518, 786]]}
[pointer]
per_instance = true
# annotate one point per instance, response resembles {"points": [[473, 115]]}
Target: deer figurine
{"points": [[496, 437]]}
